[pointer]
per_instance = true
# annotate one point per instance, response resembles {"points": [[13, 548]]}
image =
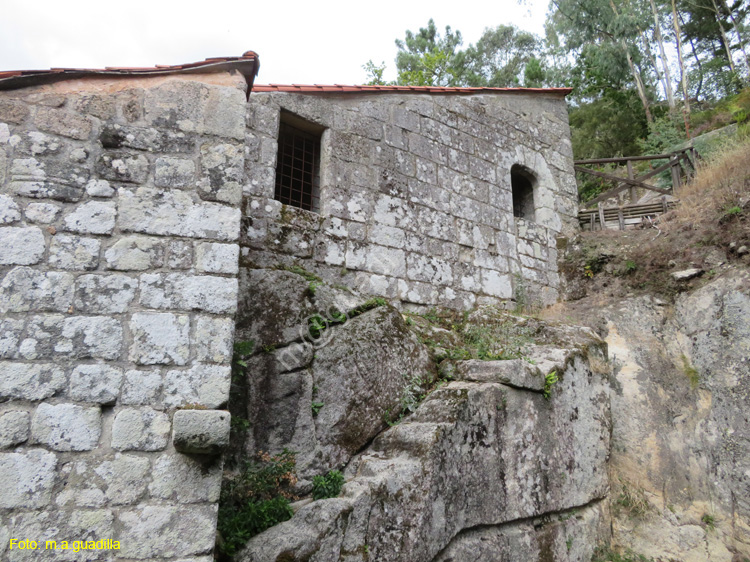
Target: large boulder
{"points": [[474, 453], [344, 369]]}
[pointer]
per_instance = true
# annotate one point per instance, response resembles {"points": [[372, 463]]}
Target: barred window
{"points": [[298, 163]]}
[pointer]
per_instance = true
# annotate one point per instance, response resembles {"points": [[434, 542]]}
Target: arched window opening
{"points": [[523, 182]]}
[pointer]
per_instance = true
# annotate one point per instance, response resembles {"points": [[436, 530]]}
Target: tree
{"points": [[374, 73], [500, 57], [426, 58], [603, 36]]}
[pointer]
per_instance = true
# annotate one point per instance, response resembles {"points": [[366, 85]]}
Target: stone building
{"points": [[430, 196], [135, 204]]}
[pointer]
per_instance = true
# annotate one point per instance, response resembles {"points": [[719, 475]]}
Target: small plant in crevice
{"points": [[328, 485], [690, 372], [549, 381], [709, 521], [254, 498], [302, 272], [316, 408], [242, 350], [632, 499], [412, 395], [237, 390], [487, 334], [315, 325]]}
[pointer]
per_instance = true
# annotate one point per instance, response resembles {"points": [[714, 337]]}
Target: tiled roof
{"points": [[339, 88], [247, 64]]}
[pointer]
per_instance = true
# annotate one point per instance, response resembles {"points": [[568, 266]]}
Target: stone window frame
{"points": [[296, 131]]}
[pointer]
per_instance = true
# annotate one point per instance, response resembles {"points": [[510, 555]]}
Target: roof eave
{"points": [[248, 65]]}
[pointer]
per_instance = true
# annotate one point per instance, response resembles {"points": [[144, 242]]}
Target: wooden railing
{"points": [[633, 212]]}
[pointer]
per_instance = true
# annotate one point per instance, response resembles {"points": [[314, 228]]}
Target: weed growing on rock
{"points": [[487, 334], [709, 521], [691, 372], [316, 407], [550, 380], [255, 498], [632, 499], [328, 485]]}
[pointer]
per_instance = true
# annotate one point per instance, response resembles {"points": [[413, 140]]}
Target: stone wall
{"points": [[119, 206], [416, 200], [124, 203]]}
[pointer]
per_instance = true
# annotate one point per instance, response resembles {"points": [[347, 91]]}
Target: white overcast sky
{"points": [[321, 42]]}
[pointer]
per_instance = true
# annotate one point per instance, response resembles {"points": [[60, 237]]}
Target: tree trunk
{"points": [[652, 59], [739, 35], [638, 84], [724, 38], [664, 62], [697, 63], [635, 72], [683, 74]]}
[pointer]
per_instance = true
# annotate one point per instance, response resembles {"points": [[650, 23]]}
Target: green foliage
{"points": [[549, 380], [412, 395], [664, 135], [302, 272], [607, 126], [426, 58], [533, 73], [632, 499], [374, 77], [503, 56], [497, 338], [327, 486], [690, 372], [367, 306], [317, 407], [315, 325], [240, 424], [313, 286], [630, 266], [242, 350], [255, 498], [732, 211], [709, 521]]}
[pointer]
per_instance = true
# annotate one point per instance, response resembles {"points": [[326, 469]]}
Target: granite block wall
{"points": [[415, 199], [119, 227]]}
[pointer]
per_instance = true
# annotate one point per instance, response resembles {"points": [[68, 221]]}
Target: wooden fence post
{"points": [[633, 192], [675, 175], [601, 216]]}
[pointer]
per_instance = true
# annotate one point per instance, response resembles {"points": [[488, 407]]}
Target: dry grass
{"points": [[705, 230], [718, 192]]}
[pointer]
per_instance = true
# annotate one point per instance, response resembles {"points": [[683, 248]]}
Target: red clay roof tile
{"points": [[247, 64], [340, 88]]}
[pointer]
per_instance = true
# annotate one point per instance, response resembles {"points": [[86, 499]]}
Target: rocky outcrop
{"points": [[332, 371], [681, 436], [479, 456]]}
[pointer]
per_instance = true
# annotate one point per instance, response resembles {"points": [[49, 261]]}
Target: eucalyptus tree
{"points": [[604, 38]]}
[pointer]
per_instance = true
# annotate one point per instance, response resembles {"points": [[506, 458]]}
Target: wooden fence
{"points": [[682, 164]]}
